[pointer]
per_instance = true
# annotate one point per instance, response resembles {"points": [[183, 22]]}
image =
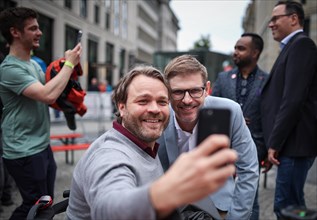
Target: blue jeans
{"points": [[256, 207], [290, 181]]}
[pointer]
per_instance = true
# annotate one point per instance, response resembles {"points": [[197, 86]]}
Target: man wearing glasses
{"points": [[187, 79], [243, 85], [289, 105]]}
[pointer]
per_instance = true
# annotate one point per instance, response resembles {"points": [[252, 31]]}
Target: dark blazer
{"points": [[225, 86], [289, 100]]}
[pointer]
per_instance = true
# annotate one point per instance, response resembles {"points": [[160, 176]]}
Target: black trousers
{"points": [[6, 183], [34, 176]]}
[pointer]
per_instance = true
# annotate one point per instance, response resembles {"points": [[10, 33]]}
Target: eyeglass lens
{"points": [[276, 17], [194, 93]]}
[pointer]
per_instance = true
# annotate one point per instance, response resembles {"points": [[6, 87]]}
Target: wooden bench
{"points": [[69, 144], [66, 138], [57, 148], [71, 148]]}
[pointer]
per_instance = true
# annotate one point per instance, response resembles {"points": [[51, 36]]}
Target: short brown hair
{"points": [[14, 17], [184, 65], [120, 93]]}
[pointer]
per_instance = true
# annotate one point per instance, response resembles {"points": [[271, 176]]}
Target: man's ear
{"points": [[208, 89], [121, 108], [14, 32], [256, 54], [295, 20]]}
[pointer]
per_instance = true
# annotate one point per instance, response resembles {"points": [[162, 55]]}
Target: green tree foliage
{"points": [[203, 43]]}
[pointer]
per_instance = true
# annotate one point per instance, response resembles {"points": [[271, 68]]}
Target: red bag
{"points": [[71, 100]]}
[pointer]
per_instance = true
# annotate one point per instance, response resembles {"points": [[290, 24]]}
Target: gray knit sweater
{"points": [[111, 181]]}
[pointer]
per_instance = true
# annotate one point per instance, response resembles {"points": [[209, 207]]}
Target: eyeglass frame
{"points": [[189, 92], [276, 17]]}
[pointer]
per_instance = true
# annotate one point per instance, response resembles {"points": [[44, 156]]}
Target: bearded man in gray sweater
{"points": [[121, 177]]}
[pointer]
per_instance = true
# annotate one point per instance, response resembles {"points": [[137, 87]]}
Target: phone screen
{"points": [[79, 35], [213, 121]]}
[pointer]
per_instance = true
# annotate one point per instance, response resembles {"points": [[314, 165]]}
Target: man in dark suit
{"points": [[289, 105], [244, 84]]}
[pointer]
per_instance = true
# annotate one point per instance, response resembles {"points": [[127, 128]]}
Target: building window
{"points": [[109, 61], [107, 22], [144, 36], [92, 59], [146, 17], [83, 8], [97, 14], [108, 15], [68, 4], [124, 20], [116, 28], [122, 62]]}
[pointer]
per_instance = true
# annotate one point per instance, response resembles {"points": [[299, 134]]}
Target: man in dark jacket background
{"points": [[289, 105], [244, 84]]}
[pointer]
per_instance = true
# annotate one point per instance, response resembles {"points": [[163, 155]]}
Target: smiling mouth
{"points": [[152, 120], [187, 107]]}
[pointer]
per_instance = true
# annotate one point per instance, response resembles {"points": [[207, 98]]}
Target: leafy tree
{"points": [[203, 43]]}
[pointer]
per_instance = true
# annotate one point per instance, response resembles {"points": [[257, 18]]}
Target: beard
{"points": [[242, 62], [145, 132]]}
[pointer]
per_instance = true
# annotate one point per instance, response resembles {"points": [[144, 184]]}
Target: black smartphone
{"points": [[213, 121], [79, 35]]}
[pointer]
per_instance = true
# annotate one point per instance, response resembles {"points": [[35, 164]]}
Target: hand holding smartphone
{"points": [[213, 121]]}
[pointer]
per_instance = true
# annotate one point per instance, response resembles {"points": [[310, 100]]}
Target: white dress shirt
{"points": [[186, 141]]}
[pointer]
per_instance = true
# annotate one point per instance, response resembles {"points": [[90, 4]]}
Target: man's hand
{"points": [[267, 165], [247, 120], [272, 156], [73, 55], [194, 175]]}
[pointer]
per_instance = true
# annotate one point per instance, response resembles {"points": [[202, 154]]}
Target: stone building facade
{"points": [[117, 34]]}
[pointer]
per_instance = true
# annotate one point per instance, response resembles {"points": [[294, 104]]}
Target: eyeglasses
{"points": [[276, 17], [244, 83], [179, 94]]}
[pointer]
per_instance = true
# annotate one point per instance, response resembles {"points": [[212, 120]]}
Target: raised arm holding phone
{"points": [[25, 122]]}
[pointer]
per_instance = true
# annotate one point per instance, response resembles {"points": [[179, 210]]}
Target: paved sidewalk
{"points": [[92, 129], [266, 195]]}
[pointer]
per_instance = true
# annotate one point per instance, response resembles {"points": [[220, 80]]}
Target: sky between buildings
{"points": [[221, 19]]}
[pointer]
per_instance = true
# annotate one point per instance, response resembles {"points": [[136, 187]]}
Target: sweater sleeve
{"points": [[117, 196]]}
